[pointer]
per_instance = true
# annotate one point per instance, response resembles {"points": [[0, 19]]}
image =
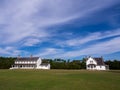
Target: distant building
{"points": [[96, 64], [30, 63]]}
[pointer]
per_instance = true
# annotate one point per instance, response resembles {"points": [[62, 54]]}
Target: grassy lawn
{"points": [[59, 80]]}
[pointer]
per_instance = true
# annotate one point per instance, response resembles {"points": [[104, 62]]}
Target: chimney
{"points": [[31, 56], [18, 57]]}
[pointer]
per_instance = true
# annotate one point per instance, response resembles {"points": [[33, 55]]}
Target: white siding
{"points": [[39, 61], [100, 68], [37, 65], [91, 61], [44, 67], [97, 67]]}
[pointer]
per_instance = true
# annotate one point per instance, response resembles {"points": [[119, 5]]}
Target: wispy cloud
{"points": [[50, 52], [22, 18], [26, 23], [89, 37], [31, 42], [11, 51], [106, 47]]}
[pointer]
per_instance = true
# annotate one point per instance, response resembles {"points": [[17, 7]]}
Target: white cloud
{"points": [[3, 51], [23, 17], [50, 52], [31, 42], [10, 51], [90, 37], [21, 20], [106, 47]]}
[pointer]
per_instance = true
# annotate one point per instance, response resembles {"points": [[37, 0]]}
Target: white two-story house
{"points": [[30, 63], [96, 64]]}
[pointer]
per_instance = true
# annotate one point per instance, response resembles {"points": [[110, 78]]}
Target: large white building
{"points": [[96, 64], [30, 63]]}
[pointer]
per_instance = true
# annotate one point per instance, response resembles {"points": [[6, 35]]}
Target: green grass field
{"points": [[59, 80]]}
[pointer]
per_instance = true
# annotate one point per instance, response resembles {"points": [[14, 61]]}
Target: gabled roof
{"points": [[99, 61], [27, 59]]}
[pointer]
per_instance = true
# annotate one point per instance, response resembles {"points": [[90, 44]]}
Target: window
{"points": [[91, 62], [94, 66]]}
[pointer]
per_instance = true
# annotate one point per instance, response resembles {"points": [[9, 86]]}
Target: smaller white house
{"points": [[96, 64], [30, 63]]}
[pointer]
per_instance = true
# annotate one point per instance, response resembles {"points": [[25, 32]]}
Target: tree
{"points": [[6, 62], [115, 64]]}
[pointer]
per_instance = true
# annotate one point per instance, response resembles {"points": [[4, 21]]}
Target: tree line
{"points": [[7, 62], [66, 64], [114, 65], [79, 64]]}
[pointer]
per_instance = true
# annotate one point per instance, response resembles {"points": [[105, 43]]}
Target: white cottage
{"points": [[96, 64], [30, 63]]}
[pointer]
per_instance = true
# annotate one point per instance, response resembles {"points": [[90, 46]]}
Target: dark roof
{"points": [[27, 59], [99, 61], [24, 64]]}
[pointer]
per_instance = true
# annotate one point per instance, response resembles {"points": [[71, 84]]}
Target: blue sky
{"points": [[70, 29]]}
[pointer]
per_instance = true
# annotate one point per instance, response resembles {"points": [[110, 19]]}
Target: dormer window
{"points": [[91, 62]]}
